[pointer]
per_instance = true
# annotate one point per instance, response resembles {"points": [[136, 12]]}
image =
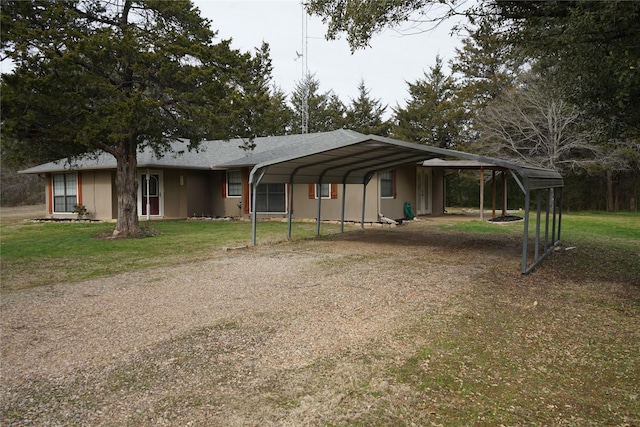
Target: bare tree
{"points": [[534, 126]]}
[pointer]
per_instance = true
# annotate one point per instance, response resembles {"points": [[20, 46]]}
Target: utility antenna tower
{"points": [[304, 125]]}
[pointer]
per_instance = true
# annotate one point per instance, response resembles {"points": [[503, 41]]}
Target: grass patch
{"points": [[36, 254], [557, 347], [603, 245], [564, 361], [582, 227]]}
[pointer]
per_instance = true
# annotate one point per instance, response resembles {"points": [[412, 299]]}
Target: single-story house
{"points": [[338, 175], [214, 182]]}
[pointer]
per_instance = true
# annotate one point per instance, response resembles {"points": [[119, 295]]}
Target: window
{"points": [[325, 190], [65, 192], [271, 198], [234, 184], [387, 185]]}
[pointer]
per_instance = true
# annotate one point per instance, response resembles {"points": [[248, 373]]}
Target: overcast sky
{"points": [[391, 61]]}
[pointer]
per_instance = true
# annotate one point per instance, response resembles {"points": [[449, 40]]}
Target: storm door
{"points": [[423, 205], [150, 194]]}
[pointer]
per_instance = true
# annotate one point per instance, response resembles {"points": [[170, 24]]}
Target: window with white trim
{"points": [[325, 191], [386, 185], [234, 183], [65, 192]]}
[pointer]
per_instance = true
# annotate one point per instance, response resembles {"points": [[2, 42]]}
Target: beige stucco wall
{"points": [[186, 193], [405, 192], [303, 207], [194, 189], [174, 196], [97, 195], [230, 206], [437, 192], [331, 209]]}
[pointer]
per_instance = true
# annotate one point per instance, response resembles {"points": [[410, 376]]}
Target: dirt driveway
{"points": [[271, 335]]}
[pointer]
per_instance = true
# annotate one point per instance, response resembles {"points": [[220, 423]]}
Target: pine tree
{"points": [[120, 76], [365, 114], [432, 116]]}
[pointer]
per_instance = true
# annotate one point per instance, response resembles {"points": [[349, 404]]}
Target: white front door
{"points": [[149, 194], [423, 200]]}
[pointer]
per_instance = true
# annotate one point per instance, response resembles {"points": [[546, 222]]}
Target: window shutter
{"points": [[334, 191], [245, 190], [224, 184], [312, 191]]}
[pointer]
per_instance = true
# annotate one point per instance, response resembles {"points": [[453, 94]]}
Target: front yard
{"points": [[426, 324]]}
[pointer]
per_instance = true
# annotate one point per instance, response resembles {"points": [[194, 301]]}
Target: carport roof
{"points": [[350, 157]]}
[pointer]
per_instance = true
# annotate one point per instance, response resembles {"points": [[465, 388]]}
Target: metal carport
{"points": [[354, 158]]}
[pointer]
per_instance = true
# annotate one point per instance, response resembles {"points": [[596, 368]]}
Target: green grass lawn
{"points": [[623, 228], [606, 244], [36, 254], [558, 347]]}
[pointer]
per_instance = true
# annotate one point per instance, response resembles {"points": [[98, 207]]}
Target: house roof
{"points": [[336, 157], [210, 155]]}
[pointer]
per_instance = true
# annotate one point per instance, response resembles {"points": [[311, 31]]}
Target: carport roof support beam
{"points": [[254, 181]]}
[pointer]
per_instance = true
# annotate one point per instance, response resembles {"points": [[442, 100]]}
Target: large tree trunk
{"points": [[127, 190]]}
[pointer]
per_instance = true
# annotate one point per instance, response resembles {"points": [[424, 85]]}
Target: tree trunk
{"points": [[127, 190], [610, 207]]}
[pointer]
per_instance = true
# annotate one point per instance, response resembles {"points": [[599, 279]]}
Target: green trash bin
{"points": [[408, 211]]}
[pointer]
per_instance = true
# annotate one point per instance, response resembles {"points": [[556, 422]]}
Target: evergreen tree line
{"points": [[488, 102], [505, 99], [552, 84]]}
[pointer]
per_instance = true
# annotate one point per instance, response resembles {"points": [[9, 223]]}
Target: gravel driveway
{"points": [[271, 335]]}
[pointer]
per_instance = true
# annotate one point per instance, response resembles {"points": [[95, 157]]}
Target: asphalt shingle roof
{"points": [[337, 156]]}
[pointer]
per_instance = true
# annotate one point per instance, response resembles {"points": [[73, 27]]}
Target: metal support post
{"points": [[546, 221], [538, 209], [344, 199], [364, 200], [319, 213], [525, 237], [290, 213], [481, 194], [553, 226], [253, 184], [560, 213]]}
